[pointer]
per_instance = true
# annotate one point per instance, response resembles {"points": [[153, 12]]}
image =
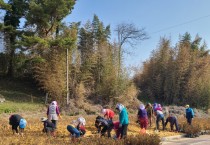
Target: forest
{"points": [[81, 62]]}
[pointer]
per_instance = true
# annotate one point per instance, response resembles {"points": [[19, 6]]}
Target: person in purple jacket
{"points": [[142, 116], [53, 113]]}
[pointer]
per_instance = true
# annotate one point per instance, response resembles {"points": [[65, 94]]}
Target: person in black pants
{"points": [[15, 121], [49, 127], [106, 124], [173, 121]]}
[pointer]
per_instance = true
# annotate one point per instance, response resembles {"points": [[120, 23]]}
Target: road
{"points": [[201, 140]]}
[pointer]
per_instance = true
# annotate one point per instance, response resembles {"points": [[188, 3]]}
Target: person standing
{"points": [[108, 113], [123, 119], [53, 113], [15, 121], [142, 116], [150, 113], [189, 114]]}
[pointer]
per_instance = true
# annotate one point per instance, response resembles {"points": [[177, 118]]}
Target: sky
{"points": [[160, 18]]}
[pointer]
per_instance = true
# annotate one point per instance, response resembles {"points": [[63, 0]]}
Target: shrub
{"points": [[130, 140], [192, 130]]}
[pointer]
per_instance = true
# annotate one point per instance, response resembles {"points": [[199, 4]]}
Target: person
{"points": [[15, 121], [142, 116], [108, 113], [189, 114], [105, 123], [159, 107], [117, 129], [81, 125], [159, 116], [155, 107], [77, 128], [53, 113], [150, 113], [173, 121], [49, 127], [123, 119]]}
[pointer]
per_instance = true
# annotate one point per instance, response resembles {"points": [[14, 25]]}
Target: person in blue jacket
{"points": [[123, 119], [189, 114]]}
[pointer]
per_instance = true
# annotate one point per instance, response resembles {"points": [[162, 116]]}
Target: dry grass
{"points": [[33, 134]]}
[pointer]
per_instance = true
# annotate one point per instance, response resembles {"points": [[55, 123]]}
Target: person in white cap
{"points": [[142, 116], [53, 113], [77, 128], [123, 119], [189, 114]]}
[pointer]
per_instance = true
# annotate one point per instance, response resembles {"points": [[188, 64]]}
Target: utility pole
{"points": [[67, 76]]}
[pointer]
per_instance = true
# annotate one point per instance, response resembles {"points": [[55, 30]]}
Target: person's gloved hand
{"points": [[120, 125]]}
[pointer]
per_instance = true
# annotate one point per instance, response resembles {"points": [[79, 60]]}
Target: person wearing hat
{"points": [[76, 128], [189, 114], [150, 113], [123, 119], [105, 123], [142, 116], [53, 113], [15, 121], [173, 121], [49, 127], [108, 113]]}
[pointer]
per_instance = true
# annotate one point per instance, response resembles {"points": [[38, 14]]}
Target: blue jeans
{"points": [[75, 132], [160, 118]]}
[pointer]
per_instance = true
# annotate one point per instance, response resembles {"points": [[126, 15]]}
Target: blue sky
{"points": [[160, 18]]}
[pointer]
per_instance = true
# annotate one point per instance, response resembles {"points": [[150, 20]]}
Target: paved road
{"points": [[202, 140]]}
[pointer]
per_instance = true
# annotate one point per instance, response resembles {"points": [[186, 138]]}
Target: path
{"points": [[202, 140]]}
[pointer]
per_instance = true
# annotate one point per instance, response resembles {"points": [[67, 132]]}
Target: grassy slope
{"points": [[20, 96]]}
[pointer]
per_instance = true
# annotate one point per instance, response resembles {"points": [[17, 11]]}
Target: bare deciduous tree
{"points": [[130, 34]]}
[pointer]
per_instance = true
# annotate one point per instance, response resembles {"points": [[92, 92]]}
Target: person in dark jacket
{"points": [[123, 119], [105, 123], [49, 127], [189, 114], [173, 121], [142, 117], [15, 121]]}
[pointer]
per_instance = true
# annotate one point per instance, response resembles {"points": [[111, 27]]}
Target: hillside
{"points": [[20, 96]]}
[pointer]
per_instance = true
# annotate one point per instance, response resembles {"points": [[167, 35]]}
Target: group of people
{"points": [[146, 114], [105, 123]]}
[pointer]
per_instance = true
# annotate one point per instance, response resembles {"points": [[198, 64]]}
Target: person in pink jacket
{"points": [[53, 113]]}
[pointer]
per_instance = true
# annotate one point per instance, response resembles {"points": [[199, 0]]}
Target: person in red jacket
{"points": [[108, 113], [117, 129]]}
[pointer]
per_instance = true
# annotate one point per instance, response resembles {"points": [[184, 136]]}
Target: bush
{"points": [[130, 140], [192, 130]]}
